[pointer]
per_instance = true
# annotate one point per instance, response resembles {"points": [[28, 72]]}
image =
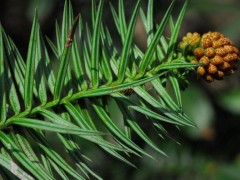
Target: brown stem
{"points": [[70, 36]]}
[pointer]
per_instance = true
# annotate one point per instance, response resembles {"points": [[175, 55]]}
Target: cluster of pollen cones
{"points": [[216, 54]]}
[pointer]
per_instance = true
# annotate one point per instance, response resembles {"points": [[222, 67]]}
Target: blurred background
{"points": [[212, 151]]}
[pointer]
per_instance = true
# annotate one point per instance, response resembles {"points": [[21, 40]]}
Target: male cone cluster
{"points": [[216, 53]]}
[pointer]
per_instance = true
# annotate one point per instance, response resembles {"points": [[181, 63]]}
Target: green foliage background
{"points": [[210, 151]]}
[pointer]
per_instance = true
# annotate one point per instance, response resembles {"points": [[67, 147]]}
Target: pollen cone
{"points": [[216, 53]]}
